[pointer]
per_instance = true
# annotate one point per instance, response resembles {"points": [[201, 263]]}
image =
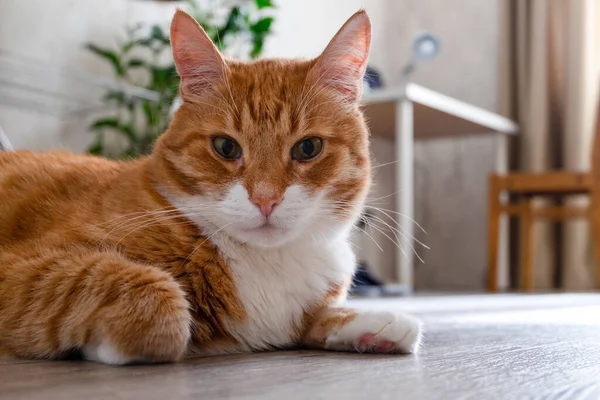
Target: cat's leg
{"points": [[112, 310], [345, 329]]}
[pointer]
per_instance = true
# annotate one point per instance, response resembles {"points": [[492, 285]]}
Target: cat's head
{"points": [[269, 151]]}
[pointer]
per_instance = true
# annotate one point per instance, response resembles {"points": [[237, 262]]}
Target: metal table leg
{"points": [[405, 192]]}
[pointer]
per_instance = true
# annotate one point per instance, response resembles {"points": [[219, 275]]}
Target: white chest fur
{"points": [[276, 286]]}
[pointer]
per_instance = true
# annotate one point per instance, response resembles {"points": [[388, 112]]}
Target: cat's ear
{"points": [[342, 64], [198, 62]]}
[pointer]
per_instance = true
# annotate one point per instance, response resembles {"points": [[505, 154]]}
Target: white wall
{"points": [[55, 32], [303, 28]]}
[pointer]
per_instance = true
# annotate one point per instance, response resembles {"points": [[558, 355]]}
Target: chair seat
{"points": [[546, 183]]}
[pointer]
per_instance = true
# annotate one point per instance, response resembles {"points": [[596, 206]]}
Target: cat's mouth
{"points": [[266, 228]]}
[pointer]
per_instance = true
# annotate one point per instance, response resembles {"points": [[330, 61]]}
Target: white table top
{"points": [[435, 115]]}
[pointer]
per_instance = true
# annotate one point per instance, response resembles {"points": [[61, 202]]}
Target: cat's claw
{"points": [[378, 332]]}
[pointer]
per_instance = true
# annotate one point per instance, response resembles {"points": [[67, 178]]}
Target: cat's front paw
{"points": [[378, 332], [148, 323]]}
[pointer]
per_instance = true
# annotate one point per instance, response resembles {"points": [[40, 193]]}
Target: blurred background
{"points": [[96, 76]]}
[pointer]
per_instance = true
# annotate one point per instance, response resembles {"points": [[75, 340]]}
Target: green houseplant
{"points": [[140, 60]]}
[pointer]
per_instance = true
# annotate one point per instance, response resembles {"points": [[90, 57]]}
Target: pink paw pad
{"points": [[385, 346], [368, 341]]}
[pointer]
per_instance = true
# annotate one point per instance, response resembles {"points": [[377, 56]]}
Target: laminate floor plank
{"points": [[476, 347]]}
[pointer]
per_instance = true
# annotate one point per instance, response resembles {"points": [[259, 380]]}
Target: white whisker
{"points": [[204, 241]]}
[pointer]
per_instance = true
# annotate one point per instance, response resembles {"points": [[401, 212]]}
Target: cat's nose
{"points": [[266, 204]]}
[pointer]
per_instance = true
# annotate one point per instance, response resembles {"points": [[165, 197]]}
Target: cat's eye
{"points": [[307, 149], [226, 147]]}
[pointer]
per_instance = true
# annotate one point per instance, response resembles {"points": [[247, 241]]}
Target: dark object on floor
{"points": [[372, 79], [365, 284]]}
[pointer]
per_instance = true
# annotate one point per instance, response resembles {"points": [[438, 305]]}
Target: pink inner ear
{"points": [[197, 60], [343, 63], [198, 71]]}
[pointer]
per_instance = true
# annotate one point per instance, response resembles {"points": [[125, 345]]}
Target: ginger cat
{"points": [[232, 236]]}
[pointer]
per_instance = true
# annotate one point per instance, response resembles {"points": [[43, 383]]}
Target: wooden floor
{"points": [[476, 347]]}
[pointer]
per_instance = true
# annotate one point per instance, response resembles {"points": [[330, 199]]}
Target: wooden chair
{"points": [[529, 186]]}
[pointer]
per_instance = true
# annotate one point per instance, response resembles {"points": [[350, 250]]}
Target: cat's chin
{"points": [[267, 236]]}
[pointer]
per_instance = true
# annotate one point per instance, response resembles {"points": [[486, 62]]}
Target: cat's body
{"points": [[199, 250], [276, 287]]}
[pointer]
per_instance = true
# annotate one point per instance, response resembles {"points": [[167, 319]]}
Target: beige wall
{"points": [[450, 175]]}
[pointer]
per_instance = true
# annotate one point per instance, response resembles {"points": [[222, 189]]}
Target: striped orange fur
{"points": [[153, 259]]}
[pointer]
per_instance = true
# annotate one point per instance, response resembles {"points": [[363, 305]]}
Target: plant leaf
{"points": [[117, 96], [108, 55], [129, 45], [97, 146], [231, 26], [105, 123], [264, 4], [136, 63], [149, 113], [262, 26], [163, 78], [114, 123], [158, 34], [145, 42], [127, 129], [257, 46]]}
